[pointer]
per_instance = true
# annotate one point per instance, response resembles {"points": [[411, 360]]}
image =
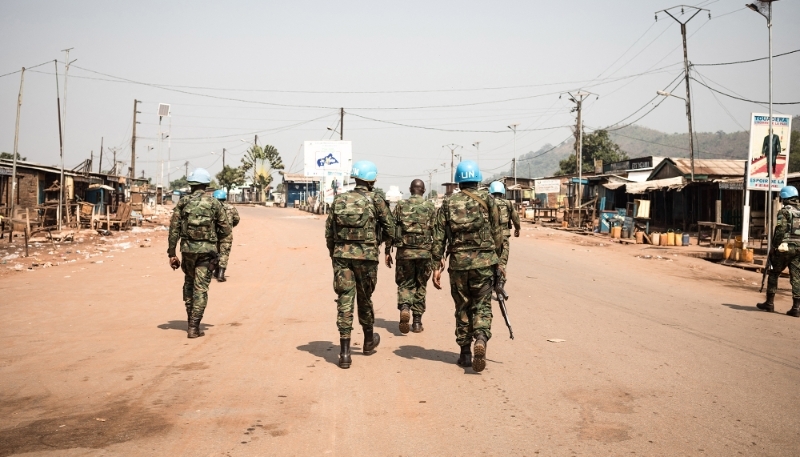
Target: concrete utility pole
{"points": [[430, 180], [133, 139], [186, 169], [578, 98], [60, 147], [686, 69], [341, 124], [452, 147], [16, 147], [100, 165], [759, 6], [513, 127]]}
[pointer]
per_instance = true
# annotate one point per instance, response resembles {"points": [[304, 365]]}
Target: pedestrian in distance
{"points": [[224, 244], [467, 227], [508, 216], [785, 252], [199, 221], [414, 240], [357, 223]]}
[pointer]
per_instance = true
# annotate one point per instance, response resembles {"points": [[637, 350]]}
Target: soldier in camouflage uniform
{"points": [[199, 221], [224, 244], [353, 231], [508, 216], [785, 251], [414, 221], [468, 226]]}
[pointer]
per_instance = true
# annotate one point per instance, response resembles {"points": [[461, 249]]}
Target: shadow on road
{"points": [[742, 308], [417, 352], [324, 350], [182, 325], [390, 326]]}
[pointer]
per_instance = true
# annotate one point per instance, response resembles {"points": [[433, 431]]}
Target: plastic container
{"points": [[639, 237], [655, 238], [664, 241], [670, 238], [728, 251], [685, 239], [616, 232], [746, 256]]}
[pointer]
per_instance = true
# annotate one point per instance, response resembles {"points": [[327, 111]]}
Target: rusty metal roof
{"points": [[711, 167]]}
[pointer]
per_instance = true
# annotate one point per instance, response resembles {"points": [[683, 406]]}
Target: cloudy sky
{"points": [[412, 76]]}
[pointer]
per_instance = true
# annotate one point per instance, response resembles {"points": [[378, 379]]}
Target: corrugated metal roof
{"points": [[711, 167]]}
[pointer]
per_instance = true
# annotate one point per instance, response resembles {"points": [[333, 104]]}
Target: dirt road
{"points": [[661, 357]]}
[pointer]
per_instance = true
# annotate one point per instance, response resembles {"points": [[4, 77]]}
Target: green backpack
{"points": [[197, 219], [354, 217], [504, 212], [414, 224], [468, 221]]}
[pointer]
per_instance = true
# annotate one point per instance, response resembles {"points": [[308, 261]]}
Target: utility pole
{"points": [[60, 147], [341, 124], [186, 169], [430, 181], [63, 122], [452, 147], [513, 127], [223, 158], [16, 147], [477, 145], [686, 69], [578, 98], [133, 139], [100, 165]]}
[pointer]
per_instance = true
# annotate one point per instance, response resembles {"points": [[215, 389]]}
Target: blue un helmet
{"points": [[199, 176], [364, 170], [468, 171], [788, 192], [220, 194], [497, 188]]}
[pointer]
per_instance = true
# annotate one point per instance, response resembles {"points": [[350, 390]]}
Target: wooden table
{"points": [[715, 235], [545, 213]]}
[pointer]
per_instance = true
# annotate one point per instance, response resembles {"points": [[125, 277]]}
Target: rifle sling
{"points": [[476, 198]]}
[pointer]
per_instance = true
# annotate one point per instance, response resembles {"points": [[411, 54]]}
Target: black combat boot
{"points": [[405, 316], [769, 304], [221, 274], [371, 340], [795, 311], [344, 354], [479, 360], [194, 327], [416, 327], [465, 359]]}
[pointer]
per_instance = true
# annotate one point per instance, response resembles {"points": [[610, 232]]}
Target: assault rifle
{"points": [[767, 269], [502, 296]]}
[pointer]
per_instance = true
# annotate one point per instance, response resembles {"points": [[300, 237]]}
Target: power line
{"points": [[740, 98], [743, 61], [448, 130]]}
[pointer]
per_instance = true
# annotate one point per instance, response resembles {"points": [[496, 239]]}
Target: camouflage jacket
{"points": [[783, 228], [360, 250], [513, 215], [473, 258], [418, 212], [232, 213], [209, 208]]}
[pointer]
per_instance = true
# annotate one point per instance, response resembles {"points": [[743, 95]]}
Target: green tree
{"points": [[256, 158], [230, 176], [180, 183], [432, 194], [596, 146], [10, 156]]}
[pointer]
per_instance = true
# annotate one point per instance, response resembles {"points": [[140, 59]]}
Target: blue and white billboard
{"points": [[321, 157]]}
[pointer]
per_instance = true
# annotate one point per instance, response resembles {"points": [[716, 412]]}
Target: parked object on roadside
{"points": [[655, 237], [685, 240]]}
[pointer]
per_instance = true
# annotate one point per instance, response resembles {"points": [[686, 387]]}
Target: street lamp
{"points": [[764, 8], [459, 157], [513, 127]]}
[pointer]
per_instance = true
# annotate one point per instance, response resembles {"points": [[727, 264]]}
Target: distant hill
{"points": [[639, 141]]}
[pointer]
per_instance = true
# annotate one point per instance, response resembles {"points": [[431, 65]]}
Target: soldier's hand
{"points": [[516, 233], [389, 260], [174, 263], [437, 279]]}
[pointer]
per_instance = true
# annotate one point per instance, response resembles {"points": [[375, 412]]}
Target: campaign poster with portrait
{"points": [[762, 154]]}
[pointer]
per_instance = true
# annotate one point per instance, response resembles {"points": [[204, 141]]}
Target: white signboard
{"points": [[547, 186], [757, 170], [322, 156]]}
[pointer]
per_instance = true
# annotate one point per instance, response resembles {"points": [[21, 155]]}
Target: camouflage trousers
{"points": [[354, 281], [197, 277], [224, 249], [504, 256], [472, 293], [780, 261], [411, 276]]}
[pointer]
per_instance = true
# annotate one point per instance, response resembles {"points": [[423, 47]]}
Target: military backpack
{"points": [[504, 211], [414, 225], [467, 218], [197, 219], [793, 234], [354, 217]]}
